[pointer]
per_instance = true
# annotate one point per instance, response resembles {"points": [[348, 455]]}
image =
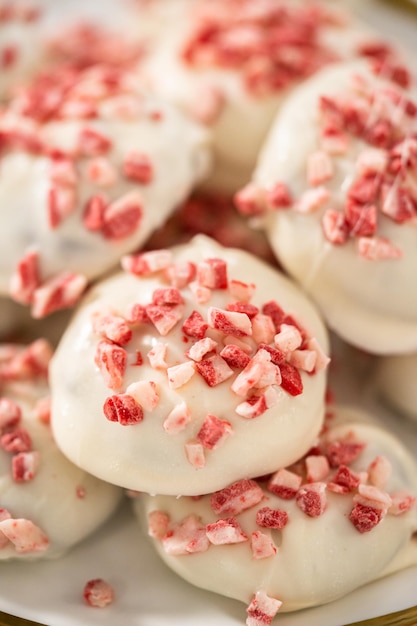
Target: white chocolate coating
{"points": [[22, 40], [396, 382], [177, 150], [64, 502], [318, 559], [368, 303], [144, 456], [235, 151]]}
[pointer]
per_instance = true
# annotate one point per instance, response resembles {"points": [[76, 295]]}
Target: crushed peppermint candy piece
{"points": [[98, 593], [262, 609], [237, 497], [214, 432], [262, 545], [25, 536], [225, 531], [186, 537]]}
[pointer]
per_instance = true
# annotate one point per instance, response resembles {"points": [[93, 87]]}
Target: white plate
{"points": [[147, 592]]}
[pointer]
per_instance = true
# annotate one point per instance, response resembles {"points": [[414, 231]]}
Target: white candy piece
{"points": [[238, 100], [312, 556], [47, 504], [194, 438], [127, 169], [361, 279], [396, 382]]}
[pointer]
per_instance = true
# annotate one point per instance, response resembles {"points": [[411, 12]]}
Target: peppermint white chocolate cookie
{"points": [[336, 181], [232, 63], [396, 382], [339, 518], [47, 504], [195, 367], [85, 177]]}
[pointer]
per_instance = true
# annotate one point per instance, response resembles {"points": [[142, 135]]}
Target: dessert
{"points": [[91, 165], [340, 517], [47, 505], [189, 361], [395, 382], [231, 64], [339, 202]]}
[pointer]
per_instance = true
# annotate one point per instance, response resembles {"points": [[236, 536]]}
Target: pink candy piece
{"points": [[123, 409], [225, 531], [10, 413], [144, 263], [212, 273], [237, 497], [214, 432], [214, 369], [138, 168], [186, 537], [98, 593], [177, 419], [285, 484], [262, 545], [262, 609], [271, 518], [111, 361], [16, 440], [194, 451], [24, 466], [311, 499], [60, 292], [164, 317], [158, 524], [24, 535], [112, 327], [122, 217], [229, 322]]}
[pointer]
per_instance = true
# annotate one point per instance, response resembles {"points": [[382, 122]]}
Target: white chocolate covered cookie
{"points": [[85, 177], [206, 366], [232, 63], [47, 504], [344, 515], [336, 181]]}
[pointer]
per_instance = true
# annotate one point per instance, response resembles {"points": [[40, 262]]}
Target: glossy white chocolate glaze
{"points": [[144, 456]]}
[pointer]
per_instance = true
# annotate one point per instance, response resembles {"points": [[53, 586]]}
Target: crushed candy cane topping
{"points": [[242, 513], [88, 97], [382, 181], [255, 350], [271, 45], [98, 593]]}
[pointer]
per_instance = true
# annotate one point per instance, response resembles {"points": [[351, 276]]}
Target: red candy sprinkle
{"points": [[271, 518], [124, 409], [237, 497], [365, 518], [213, 432], [98, 593]]}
